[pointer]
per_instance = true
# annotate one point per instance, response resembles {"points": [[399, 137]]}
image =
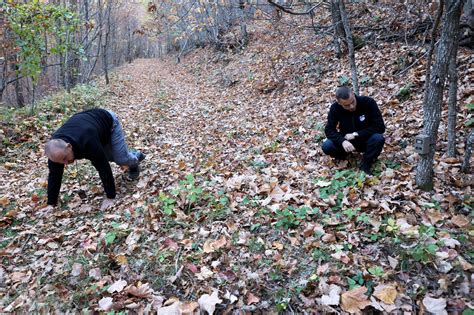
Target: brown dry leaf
{"points": [[333, 297], [106, 303], [211, 246], [251, 298], [277, 245], [4, 201], [386, 293], [143, 291], [117, 286], [95, 273], [188, 308], [460, 220], [342, 257], [19, 276], [76, 269], [208, 302], [172, 309], [436, 306], [121, 260], [355, 300]]}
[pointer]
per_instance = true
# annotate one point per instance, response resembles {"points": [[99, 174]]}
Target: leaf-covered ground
{"points": [[236, 207]]}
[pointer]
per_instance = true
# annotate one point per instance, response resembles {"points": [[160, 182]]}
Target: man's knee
{"points": [[376, 139], [328, 147]]}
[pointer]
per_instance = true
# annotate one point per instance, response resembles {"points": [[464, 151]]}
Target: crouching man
{"points": [[354, 124]]}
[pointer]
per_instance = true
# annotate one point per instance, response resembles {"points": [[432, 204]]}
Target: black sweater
{"points": [[87, 132], [366, 120]]}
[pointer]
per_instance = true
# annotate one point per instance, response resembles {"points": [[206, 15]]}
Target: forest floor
{"points": [[236, 207]]}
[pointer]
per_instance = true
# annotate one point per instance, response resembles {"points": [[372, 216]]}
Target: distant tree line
{"points": [[46, 45]]}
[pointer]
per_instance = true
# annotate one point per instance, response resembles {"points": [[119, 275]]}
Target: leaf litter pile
{"points": [[236, 207]]}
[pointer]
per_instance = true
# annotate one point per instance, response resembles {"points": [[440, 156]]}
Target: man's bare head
{"points": [[346, 98], [59, 151]]}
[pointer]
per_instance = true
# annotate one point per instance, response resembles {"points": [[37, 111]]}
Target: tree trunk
{"points": [[433, 100], [350, 45], [20, 98], [467, 153], [452, 99], [339, 33]]}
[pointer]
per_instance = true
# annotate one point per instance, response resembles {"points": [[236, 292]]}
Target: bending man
{"points": [[354, 124], [96, 135]]}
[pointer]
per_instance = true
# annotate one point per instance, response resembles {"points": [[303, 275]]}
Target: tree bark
{"points": [[350, 45], [433, 100], [339, 33], [452, 99], [467, 153]]}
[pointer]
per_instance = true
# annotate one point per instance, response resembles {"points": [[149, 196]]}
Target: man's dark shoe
{"points": [[365, 167], [134, 172]]}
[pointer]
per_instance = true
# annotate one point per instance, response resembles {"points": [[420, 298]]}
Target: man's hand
{"points": [[348, 147], [106, 204], [351, 136]]}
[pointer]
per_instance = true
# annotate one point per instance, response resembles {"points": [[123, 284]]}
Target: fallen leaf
{"points": [[143, 291], [188, 308], [342, 257], [4, 201], [333, 298], [211, 246], [106, 304], [251, 298], [386, 293], [172, 309], [208, 302], [117, 286], [355, 300], [95, 273], [460, 220], [436, 306], [76, 269], [121, 260]]}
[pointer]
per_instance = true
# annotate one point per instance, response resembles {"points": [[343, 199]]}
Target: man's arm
{"points": [[331, 128], [375, 119], [54, 181]]}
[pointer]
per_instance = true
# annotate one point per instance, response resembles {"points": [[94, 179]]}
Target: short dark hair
{"points": [[343, 93]]}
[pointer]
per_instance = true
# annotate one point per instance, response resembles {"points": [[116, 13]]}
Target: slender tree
{"points": [[350, 45], [433, 100]]}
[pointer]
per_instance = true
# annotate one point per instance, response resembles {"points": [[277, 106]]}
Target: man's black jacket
{"points": [[365, 120], [87, 132]]}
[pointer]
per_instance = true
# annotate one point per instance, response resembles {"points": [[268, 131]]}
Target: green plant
{"points": [[320, 135], [376, 271], [343, 81], [167, 203], [291, 217], [404, 93], [470, 121], [189, 191], [342, 179]]}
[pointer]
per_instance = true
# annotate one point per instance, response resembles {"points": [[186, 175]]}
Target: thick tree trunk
{"points": [[452, 100], [350, 45], [433, 100]]}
